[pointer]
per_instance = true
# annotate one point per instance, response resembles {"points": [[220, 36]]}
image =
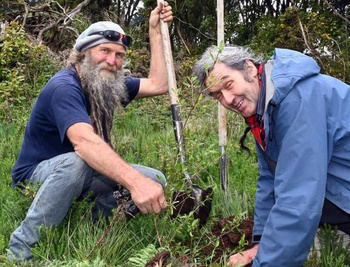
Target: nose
{"points": [[113, 60], [227, 97]]}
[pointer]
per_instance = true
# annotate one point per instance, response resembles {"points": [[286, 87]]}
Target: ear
{"points": [[252, 70]]}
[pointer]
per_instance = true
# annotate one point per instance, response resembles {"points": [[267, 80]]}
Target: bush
{"points": [[24, 68], [325, 38]]}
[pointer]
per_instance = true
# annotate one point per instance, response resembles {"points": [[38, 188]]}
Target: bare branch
{"points": [[336, 12], [2, 29], [71, 29], [191, 26], [66, 18], [25, 15], [315, 54], [78, 8], [182, 39]]}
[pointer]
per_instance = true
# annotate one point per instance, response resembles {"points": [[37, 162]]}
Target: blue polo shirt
{"points": [[59, 105]]}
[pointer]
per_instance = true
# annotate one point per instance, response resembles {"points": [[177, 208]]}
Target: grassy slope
{"points": [[145, 136]]}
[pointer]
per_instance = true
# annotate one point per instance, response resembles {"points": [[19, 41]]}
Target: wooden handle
{"points": [[169, 64], [221, 108]]}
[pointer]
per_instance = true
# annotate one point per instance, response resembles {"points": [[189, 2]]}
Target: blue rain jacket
{"points": [[307, 126]]}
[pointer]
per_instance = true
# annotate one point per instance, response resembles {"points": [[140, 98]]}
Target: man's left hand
{"points": [[163, 12]]}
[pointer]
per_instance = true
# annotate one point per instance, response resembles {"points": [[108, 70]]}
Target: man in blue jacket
{"points": [[300, 121], [67, 146]]}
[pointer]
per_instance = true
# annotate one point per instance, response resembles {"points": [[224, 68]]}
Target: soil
{"points": [[227, 231], [230, 237], [184, 203]]}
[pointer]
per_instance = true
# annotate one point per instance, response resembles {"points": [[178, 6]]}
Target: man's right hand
{"points": [[148, 195]]}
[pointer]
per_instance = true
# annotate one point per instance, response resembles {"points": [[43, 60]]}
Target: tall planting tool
{"points": [[221, 108], [201, 199]]}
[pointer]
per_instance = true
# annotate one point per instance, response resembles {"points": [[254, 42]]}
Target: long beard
{"points": [[106, 90]]}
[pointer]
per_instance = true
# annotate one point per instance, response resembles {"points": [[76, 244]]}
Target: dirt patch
{"points": [[184, 203], [232, 235], [159, 259]]}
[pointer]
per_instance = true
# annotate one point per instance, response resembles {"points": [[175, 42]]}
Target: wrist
{"points": [[131, 179], [154, 32], [255, 246]]}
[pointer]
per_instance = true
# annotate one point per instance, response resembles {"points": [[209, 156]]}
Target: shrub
{"points": [[24, 68]]}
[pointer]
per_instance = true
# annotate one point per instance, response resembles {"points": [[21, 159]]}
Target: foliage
{"points": [[329, 37], [325, 38], [24, 68], [262, 25], [144, 255], [138, 62], [282, 32], [330, 250], [331, 246]]}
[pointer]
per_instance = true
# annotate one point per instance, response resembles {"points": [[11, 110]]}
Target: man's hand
{"points": [[163, 12], [243, 258], [148, 195]]}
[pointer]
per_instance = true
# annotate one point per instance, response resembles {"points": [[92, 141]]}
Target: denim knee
{"points": [[78, 170]]}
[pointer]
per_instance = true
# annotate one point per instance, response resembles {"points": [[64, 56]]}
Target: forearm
{"points": [[157, 81], [158, 74], [99, 156]]}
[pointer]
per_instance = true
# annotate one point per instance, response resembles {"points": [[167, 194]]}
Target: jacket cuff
{"points": [[256, 238]]}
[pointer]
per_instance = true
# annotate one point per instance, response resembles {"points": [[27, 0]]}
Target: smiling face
{"points": [[108, 57], [235, 89]]}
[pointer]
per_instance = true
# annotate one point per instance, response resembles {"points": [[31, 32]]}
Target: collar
{"points": [[260, 108]]}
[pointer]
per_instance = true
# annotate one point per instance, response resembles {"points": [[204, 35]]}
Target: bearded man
{"points": [[67, 146]]}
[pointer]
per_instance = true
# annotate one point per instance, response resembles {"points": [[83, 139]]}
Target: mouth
{"points": [[239, 104], [108, 70]]}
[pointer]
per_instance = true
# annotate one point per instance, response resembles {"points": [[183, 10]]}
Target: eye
{"points": [[228, 84], [216, 95], [119, 55]]}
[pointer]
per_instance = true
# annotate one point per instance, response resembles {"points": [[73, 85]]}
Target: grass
{"points": [[144, 136]]}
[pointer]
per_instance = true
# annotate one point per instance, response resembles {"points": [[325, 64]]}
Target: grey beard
{"points": [[106, 91]]}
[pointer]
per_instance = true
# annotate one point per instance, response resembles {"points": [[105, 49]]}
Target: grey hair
{"points": [[75, 57], [234, 57]]}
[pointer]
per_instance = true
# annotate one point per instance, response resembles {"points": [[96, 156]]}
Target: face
{"points": [[103, 81], [236, 90], [109, 56]]}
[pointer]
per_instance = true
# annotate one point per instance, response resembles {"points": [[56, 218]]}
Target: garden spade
{"points": [[201, 200]]}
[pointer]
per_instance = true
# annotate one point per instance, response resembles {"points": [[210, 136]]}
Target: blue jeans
{"points": [[64, 178]]}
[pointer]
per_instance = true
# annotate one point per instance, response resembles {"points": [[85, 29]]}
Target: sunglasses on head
{"points": [[115, 36]]}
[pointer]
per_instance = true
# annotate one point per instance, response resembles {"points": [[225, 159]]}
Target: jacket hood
{"points": [[289, 68]]}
